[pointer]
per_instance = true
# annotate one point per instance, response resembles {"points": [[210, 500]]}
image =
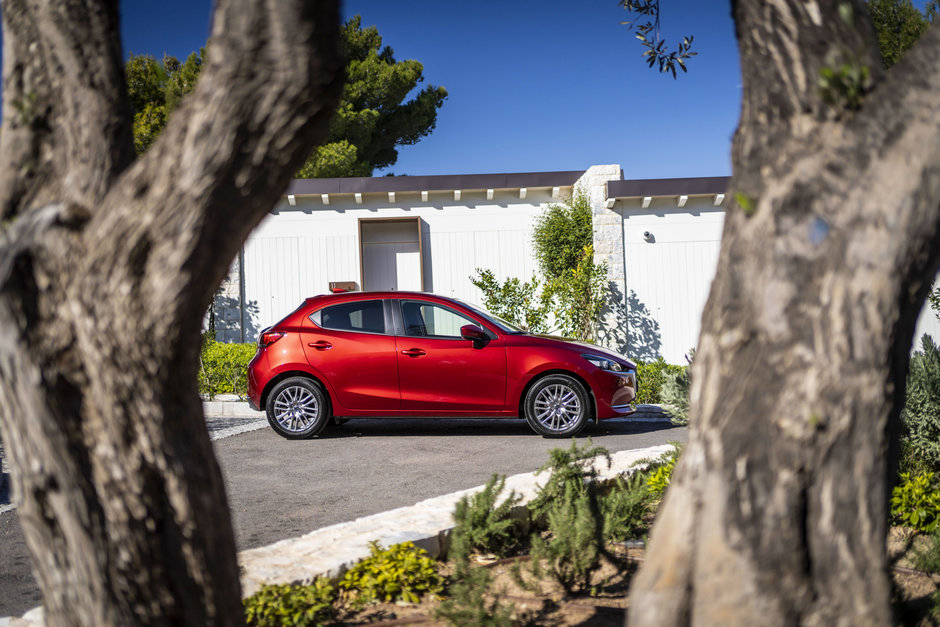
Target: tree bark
{"points": [[106, 269], [777, 513]]}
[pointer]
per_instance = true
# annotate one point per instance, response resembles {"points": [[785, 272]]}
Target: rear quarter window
{"points": [[364, 316]]}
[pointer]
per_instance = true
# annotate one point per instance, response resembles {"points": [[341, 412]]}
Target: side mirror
{"points": [[473, 333]]}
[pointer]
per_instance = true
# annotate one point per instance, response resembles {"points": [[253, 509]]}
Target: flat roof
{"points": [[700, 186], [442, 182]]}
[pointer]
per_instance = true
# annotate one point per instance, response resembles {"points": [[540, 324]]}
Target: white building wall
{"points": [[668, 273], [297, 251]]}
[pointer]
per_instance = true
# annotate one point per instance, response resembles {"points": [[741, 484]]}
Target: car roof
{"points": [[341, 296]]}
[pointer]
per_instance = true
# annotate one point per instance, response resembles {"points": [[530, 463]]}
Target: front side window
{"points": [[365, 316], [430, 320]]}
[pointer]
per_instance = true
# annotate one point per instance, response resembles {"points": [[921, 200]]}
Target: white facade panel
{"points": [[670, 258], [297, 251]]}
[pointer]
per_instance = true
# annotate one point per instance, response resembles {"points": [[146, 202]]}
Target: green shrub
{"points": [[467, 603], [573, 551], [573, 466], [223, 368], [483, 526], [921, 414], [675, 392], [650, 377], [659, 472], [560, 234], [402, 572], [303, 606], [624, 507], [915, 501], [580, 294], [514, 300]]}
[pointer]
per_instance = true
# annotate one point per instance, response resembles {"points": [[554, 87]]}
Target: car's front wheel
{"points": [[557, 406], [297, 408]]}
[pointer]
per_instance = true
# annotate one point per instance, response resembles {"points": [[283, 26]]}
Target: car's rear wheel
{"points": [[557, 406], [297, 408]]}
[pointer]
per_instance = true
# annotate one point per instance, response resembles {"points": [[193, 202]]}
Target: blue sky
{"points": [[533, 86]]}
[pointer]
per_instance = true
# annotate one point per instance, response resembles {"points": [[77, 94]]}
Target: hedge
{"points": [[223, 368], [650, 377]]}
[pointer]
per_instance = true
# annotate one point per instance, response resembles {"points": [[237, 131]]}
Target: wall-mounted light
{"points": [[649, 237]]}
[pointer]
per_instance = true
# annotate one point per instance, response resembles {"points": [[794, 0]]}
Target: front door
{"points": [[439, 370]]}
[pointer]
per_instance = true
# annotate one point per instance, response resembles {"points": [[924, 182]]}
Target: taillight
{"points": [[269, 337]]}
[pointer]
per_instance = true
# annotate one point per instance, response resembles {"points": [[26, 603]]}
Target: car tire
{"points": [[557, 406], [297, 408]]}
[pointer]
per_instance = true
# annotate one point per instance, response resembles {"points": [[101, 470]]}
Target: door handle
{"points": [[322, 345], [414, 352]]}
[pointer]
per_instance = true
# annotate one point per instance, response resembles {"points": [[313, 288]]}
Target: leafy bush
{"points": [[675, 396], [402, 572], [573, 466], [467, 603], [921, 414], [581, 294], [659, 472], [574, 549], [574, 288], [484, 526], [516, 301], [561, 233], [223, 368], [915, 501], [650, 377], [303, 606], [624, 507]]}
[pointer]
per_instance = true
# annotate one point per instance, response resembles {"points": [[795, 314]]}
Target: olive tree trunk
{"points": [[778, 510], [107, 266]]}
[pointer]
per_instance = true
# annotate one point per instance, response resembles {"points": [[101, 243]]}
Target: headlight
{"points": [[603, 363]]}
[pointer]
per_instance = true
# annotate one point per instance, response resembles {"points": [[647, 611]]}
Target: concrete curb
{"points": [[332, 550]]}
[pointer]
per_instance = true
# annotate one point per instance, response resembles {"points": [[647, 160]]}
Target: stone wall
{"points": [[608, 249]]}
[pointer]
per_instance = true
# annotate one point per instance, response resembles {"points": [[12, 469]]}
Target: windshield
{"points": [[504, 325]]}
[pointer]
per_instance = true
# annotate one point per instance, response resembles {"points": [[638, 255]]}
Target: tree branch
{"points": [[273, 76], [66, 122]]}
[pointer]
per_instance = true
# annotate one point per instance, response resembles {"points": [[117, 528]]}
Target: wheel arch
{"points": [[287, 374], [545, 373]]}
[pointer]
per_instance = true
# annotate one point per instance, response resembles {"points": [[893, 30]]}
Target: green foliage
{"points": [[574, 287], [560, 235], [571, 467], [915, 501], [845, 84], [659, 478], [748, 204], [624, 507], [155, 89], [934, 299], [898, 24], [650, 377], [514, 300], [468, 605], [675, 391], [648, 33], [573, 552], [402, 572], [921, 413], [373, 118], [928, 558], [223, 368], [302, 606], [483, 526], [580, 294], [371, 121]]}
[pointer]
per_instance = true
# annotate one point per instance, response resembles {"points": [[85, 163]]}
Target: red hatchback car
{"points": [[417, 354]]}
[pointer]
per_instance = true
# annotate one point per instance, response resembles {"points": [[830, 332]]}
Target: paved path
{"points": [[280, 489]]}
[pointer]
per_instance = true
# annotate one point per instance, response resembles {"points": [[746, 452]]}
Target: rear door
{"points": [[439, 370], [350, 345]]}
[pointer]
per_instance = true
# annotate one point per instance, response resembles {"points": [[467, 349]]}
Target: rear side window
{"points": [[365, 316]]}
